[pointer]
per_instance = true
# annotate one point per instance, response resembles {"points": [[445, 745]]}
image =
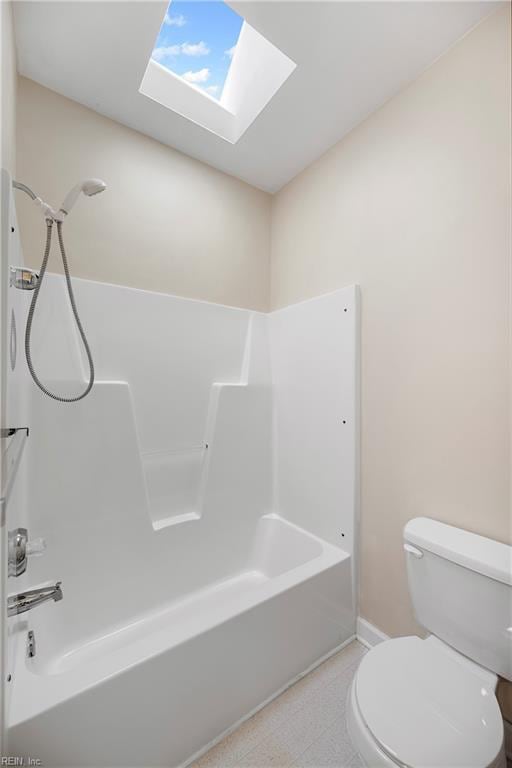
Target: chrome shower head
{"points": [[89, 187]]}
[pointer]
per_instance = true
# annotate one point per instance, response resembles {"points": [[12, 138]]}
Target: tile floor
{"points": [[303, 728]]}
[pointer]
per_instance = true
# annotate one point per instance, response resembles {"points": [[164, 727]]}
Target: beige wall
{"points": [[9, 82], [166, 223], [414, 205]]}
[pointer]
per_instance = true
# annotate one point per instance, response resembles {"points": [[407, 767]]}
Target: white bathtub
{"points": [[156, 690]]}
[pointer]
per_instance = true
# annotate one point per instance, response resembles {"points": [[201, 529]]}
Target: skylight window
{"points": [[213, 68], [197, 41]]}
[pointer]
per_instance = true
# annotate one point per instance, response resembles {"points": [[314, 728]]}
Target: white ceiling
{"points": [[351, 57]]}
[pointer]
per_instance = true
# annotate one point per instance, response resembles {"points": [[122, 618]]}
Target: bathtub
{"points": [[161, 687]]}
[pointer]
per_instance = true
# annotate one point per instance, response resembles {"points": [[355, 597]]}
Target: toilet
{"points": [[431, 703]]}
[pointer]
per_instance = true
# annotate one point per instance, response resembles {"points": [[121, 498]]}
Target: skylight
{"points": [[213, 68], [197, 41]]}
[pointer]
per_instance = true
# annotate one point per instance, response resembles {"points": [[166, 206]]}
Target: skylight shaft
{"points": [[197, 41]]}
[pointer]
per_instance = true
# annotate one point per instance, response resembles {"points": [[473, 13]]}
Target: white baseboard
{"points": [[368, 634]]}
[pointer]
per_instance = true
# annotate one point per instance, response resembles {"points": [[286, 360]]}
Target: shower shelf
{"points": [[173, 483], [165, 522]]}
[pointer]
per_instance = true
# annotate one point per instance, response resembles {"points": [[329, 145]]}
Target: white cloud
{"points": [[175, 21], [201, 76], [230, 52], [195, 49], [187, 49], [164, 51], [212, 90]]}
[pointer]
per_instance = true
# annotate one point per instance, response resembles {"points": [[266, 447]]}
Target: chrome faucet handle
{"points": [[20, 548]]}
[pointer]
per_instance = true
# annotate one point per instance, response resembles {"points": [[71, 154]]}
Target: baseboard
{"points": [[368, 634]]}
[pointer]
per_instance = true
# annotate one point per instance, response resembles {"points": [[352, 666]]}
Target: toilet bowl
{"points": [[419, 703], [424, 703]]}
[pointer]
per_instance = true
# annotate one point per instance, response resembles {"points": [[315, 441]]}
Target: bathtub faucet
{"points": [[25, 601]]}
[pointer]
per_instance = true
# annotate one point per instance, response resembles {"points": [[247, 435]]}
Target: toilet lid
{"points": [[428, 706]]}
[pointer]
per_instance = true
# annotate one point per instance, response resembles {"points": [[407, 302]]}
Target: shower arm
{"points": [[24, 188], [47, 210]]}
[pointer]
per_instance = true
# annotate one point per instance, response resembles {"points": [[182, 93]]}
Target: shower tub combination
{"points": [[199, 509], [158, 690]]}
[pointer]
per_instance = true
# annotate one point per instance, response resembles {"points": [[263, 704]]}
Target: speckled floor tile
{"points": [[333, 749]]}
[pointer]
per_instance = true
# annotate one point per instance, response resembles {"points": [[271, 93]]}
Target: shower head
{"points": [[89, 187]]}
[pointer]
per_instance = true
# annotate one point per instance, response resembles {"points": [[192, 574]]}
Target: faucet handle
{"points": [[20, 548], [35, 547]]}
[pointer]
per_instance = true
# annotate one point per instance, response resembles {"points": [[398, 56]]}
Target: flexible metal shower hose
{"points": [[30, 317]]}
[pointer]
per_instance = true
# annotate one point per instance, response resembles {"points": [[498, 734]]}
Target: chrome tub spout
{"points": [[25, 601]]}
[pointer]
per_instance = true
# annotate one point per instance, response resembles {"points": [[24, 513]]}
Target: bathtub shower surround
{"points": [[199, 509]]}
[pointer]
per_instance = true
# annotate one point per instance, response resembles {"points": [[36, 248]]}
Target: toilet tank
{"points": [[461, 589]]}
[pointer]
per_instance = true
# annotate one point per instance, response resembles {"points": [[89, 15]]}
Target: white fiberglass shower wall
{"points": [[199, 509]]}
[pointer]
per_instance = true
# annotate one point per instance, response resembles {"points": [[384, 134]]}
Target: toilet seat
{"points": [[426, 705]]}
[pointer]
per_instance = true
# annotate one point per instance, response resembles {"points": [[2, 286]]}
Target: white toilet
{"points": [[431, 703]]}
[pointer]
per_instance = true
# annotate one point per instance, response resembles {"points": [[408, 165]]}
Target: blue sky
{"points": [[196, 41]]}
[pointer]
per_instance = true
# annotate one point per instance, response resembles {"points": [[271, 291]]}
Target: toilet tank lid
{"points": [[486, 556]]}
